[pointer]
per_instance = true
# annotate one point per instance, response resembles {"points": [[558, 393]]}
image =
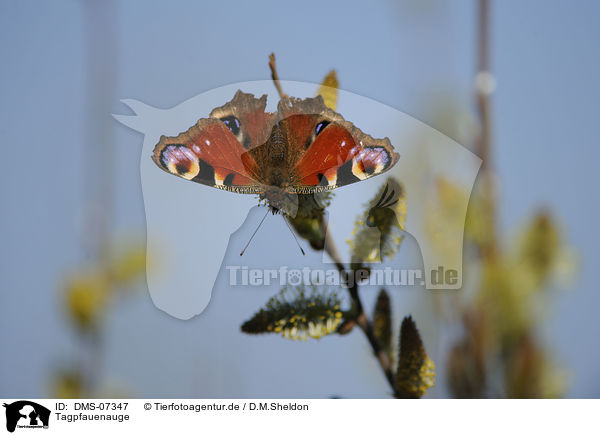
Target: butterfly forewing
{"points": [[330, 152], [214, 151], [208, 153]]}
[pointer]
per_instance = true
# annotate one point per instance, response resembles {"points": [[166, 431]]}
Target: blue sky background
{"points": [[411, 55]]}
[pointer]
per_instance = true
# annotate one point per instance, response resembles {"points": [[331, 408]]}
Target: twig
{"points": [[483, 143], [361, 318], [275, 76], [99, 188]]}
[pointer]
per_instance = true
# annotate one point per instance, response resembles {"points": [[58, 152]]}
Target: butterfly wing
{"points": [[246, 118], [214, 150], [327, 151]]}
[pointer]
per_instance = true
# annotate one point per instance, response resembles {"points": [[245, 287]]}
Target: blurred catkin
{"points": [[298, 315], [379, 230], [382, 321], [416, 371], [329, 90]]}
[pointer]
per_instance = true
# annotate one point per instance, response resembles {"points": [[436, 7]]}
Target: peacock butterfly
{"points": [[304, 148]]}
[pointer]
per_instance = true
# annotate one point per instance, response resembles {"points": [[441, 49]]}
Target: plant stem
{"points": [[361, 318], [483, 143], [275, 76]]}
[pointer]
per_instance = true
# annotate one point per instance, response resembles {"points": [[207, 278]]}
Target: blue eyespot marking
{"points": [[320, 126], [232, 123]]}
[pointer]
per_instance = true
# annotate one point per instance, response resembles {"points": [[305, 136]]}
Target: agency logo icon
{"points": [[26, 414]]}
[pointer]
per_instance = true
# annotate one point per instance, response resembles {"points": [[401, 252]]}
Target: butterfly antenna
{"points": [[254, 233], [293, 234]]}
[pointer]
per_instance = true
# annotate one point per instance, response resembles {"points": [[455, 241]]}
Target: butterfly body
{"points": [[303, 148]]}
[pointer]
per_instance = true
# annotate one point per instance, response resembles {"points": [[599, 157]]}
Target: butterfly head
{"points": [[280, 201]]}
